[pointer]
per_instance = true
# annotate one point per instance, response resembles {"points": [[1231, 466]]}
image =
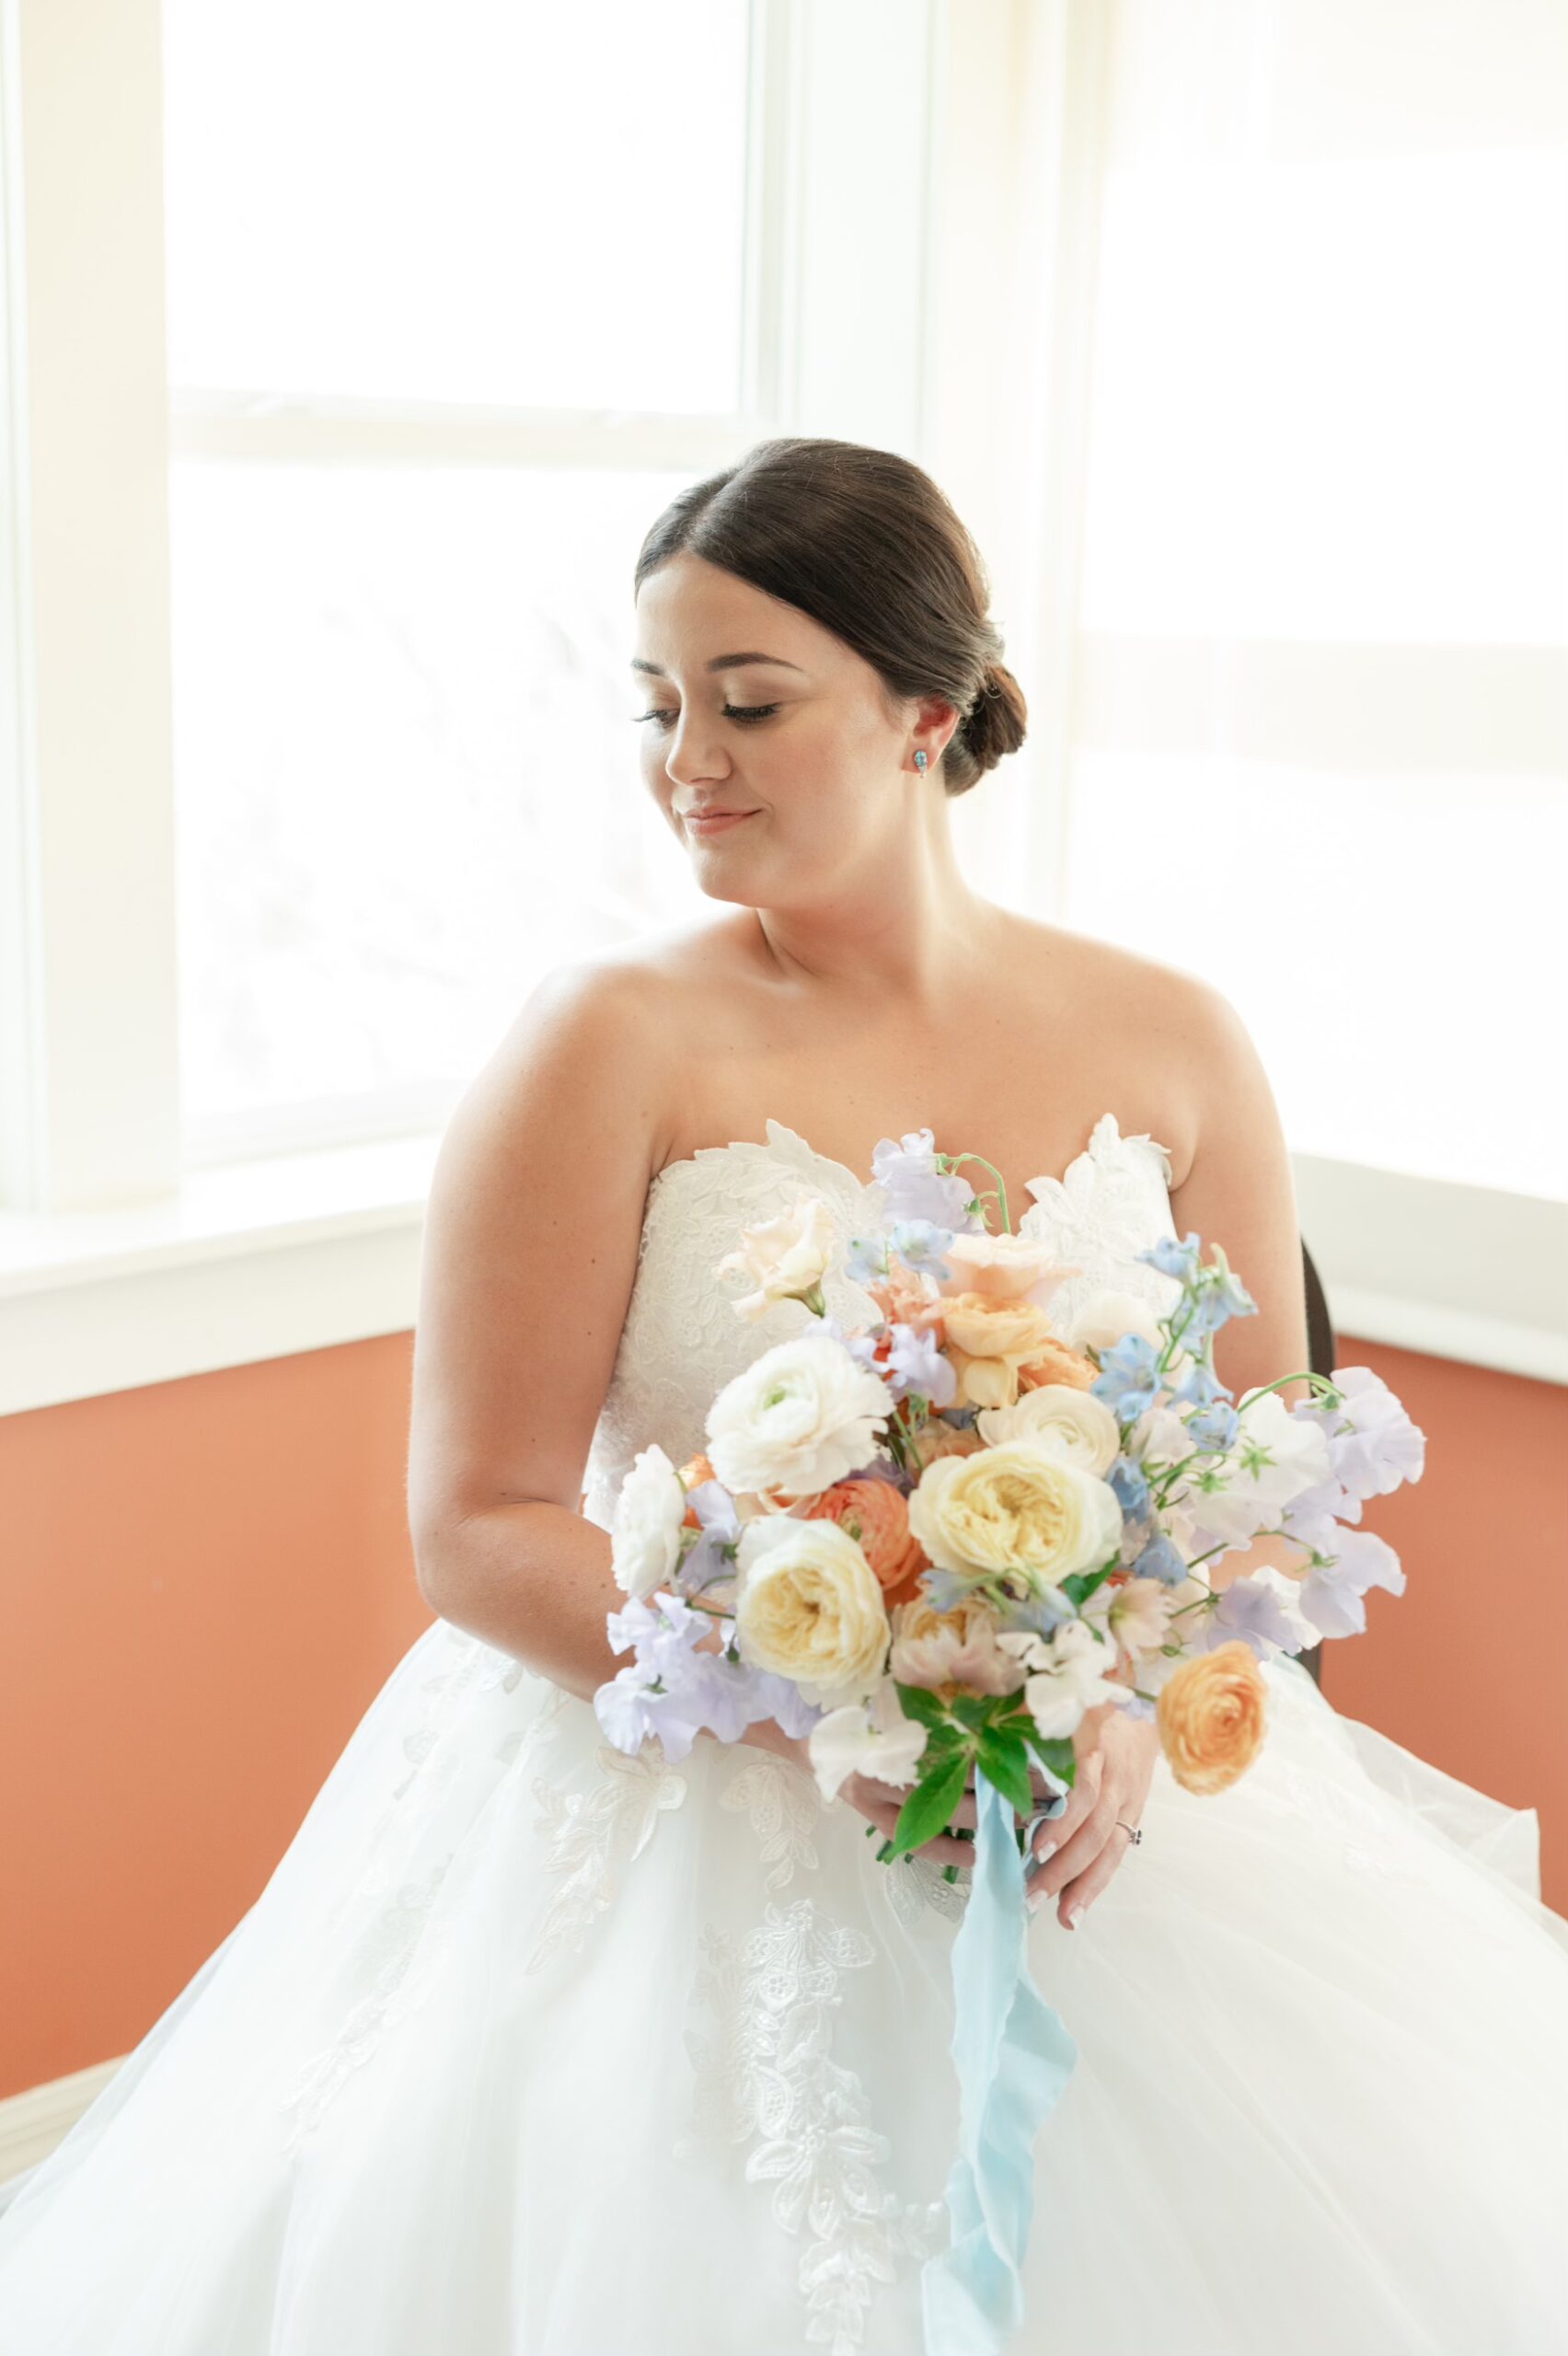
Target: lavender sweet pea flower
{"points": [[1250, 1608], [915, 1188], [772, 1696], [1331, 1595], [862, 1347], [621, 1707], [1373, 1443], [916, 1364], [1128, 1379]]}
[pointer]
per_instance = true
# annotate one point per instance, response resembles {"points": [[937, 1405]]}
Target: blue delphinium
{"points": [[1128, 1379]]}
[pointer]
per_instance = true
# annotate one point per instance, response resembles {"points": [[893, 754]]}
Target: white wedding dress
{"points": [[529, 2047]]}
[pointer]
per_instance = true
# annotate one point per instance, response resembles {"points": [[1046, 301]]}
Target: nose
{"points": [[689, 759]]}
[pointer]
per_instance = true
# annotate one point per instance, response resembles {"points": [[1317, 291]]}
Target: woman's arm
{"points": [[1238, 1192]]}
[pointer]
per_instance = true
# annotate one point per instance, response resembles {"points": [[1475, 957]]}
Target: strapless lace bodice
{"points": [[682, 1340]]}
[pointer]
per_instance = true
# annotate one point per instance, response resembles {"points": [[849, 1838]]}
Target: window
{"points": [[1319, 730], [404, 783]]}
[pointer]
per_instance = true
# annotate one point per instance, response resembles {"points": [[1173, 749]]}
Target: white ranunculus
{"points": [[809, 1606], [1074, 1425], [866, 1738], [1107, 1316], [645, 1529], [1295, 1459], [799, 1417], [785, 1257]]}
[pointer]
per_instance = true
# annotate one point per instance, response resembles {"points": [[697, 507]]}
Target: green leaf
{"points": [[919, 1702], [1057, 1754], [1078, 1585], [974, 1709], [926, 1810], [1006, 1761]]}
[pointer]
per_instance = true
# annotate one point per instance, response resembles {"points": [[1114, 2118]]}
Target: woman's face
{"points": [[822, 770]]}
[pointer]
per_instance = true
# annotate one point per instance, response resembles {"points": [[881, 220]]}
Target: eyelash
{"points": [[731, 712]]}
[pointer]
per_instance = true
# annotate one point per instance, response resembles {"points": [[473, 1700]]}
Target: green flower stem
{"points": [[952, 1160]]}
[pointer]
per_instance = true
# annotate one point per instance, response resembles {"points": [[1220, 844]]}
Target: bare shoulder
{"points": [[606, 1035], [1162, 1037]]}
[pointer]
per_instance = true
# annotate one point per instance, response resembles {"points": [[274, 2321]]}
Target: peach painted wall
{"points": [[1466, 1666], [205, 1582]]}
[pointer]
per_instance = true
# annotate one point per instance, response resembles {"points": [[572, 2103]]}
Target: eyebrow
{"points": [[720, 662]]}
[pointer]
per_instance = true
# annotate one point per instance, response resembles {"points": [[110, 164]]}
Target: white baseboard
{"points": [[33, 2121]]}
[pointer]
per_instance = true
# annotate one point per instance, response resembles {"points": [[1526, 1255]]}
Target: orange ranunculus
{"points": [[1055, 1362], [876, 1517], [1211, 1714], [696, 1469]]}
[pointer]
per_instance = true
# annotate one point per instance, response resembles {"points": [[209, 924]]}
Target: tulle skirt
{"points": [[532, 2049]]}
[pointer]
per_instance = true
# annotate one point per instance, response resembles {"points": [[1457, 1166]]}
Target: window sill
{"points": [[306, 1251]]}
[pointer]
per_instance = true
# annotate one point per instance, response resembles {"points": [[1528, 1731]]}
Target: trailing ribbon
{"points": [[1014, 2056]]}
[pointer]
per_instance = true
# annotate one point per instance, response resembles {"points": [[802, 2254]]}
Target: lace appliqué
{"points": [[785, 1807], [397, 1936], [911, 1884], [591, 1833], [765, 2070], [1108, 1206], [682, 1341]]}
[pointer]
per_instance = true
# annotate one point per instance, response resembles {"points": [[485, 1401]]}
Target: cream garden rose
{"points": [[785, 1258], [1003, 1267], [1071, 1424], [1018, 1507], [645, 1531], [802, 1415], [809, 1606]]}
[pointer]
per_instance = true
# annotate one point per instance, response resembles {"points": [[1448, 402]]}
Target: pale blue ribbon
{"points": [[1014, 2056]]}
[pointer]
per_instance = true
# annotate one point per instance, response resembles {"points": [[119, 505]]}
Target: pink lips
{"points": [[717, 821]]}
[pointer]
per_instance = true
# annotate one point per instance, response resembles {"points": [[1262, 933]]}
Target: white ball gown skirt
{"points": [[532, 2049]]}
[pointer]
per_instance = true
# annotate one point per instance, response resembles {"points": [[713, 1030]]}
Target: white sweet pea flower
{"points": [[645, 1531], [799, 1417], [871, 1738], [1073, 1425], [1135, 1615], [785, 1257], [1274, 1458], [1065, 1675]]}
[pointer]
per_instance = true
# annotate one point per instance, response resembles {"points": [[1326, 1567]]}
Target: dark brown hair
{"points": [[864, 542]]}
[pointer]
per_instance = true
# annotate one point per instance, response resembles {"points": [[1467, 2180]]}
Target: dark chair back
{"points": [[1320, 1350]]}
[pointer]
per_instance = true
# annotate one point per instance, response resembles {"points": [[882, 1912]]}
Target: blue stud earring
{"points": [[920, 758]]}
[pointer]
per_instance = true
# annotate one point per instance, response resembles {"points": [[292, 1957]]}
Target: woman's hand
{"points": [[883, 1803], [1115, 1758]]}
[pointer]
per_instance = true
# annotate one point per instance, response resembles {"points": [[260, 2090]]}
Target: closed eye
{"points": [[731, 711]]}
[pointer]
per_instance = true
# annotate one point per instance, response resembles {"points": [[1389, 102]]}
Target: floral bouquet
{"points": [[933, 1546]]}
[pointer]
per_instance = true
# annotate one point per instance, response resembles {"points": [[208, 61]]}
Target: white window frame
{"points": [[962, 137]]}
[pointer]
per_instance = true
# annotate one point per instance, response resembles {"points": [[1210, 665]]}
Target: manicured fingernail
{"points": [[1046, 1849], [1075, 1916]]}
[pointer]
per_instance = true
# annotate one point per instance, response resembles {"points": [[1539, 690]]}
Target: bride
{"points": [[533, 2046]]}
